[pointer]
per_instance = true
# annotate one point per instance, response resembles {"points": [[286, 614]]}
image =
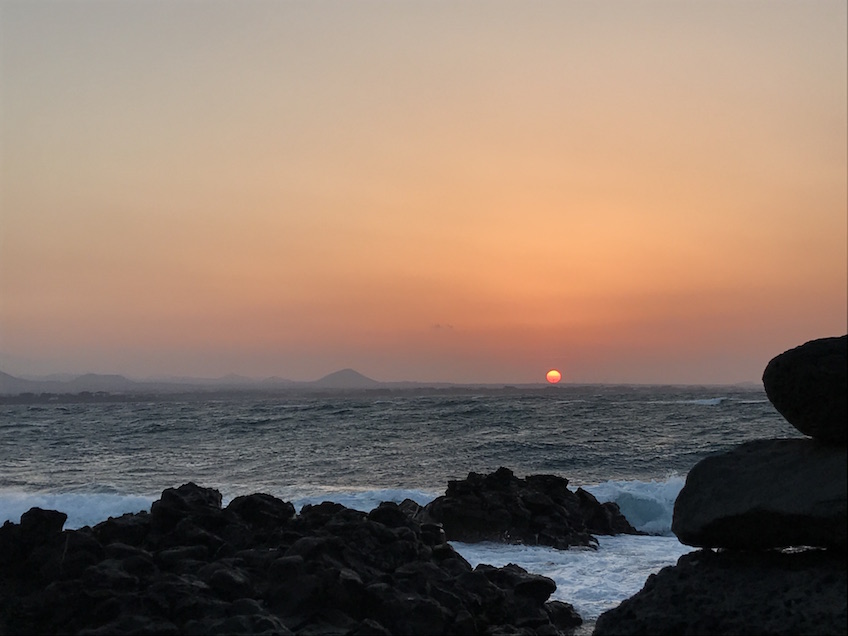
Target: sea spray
{"points": [[83, 509], [593, 581], [648, 506]]}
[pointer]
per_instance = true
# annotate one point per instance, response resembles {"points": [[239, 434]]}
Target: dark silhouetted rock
{"points": [[735, 592], [763, 504], [191, 567], [262, 510], [808, 385], [766, 494], [130, 529], [602, 518], [38, 526], [538, 510], [189, 500]]}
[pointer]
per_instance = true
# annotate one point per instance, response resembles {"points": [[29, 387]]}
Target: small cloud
{"points": [[442, 327]]}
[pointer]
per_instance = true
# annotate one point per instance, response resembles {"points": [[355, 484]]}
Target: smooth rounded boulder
{"points": [[808, 385], [772, 493]]}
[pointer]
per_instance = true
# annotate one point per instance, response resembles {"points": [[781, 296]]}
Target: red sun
{"points": [[553, 376]]}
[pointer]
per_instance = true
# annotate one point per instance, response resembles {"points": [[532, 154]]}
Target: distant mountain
{"points": [[10, 385], [91, 382], [345, 379], [53, 377], [100, 382], [119, 384]]}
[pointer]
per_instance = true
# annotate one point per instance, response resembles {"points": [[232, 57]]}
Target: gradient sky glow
{"points": [[627, 191]]}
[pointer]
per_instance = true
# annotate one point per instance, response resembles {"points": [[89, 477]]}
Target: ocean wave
{"points": [[83, 509], [593, 581], [648, 506], [90, 508]]}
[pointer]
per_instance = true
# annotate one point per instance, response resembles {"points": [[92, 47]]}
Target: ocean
{"points": [[630, 444]]}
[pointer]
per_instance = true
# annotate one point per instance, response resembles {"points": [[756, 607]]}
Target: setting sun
{"points": [[180, 182], [554, 376]]}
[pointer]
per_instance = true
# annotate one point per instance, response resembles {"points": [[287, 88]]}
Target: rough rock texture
{"points": [[538, 510], [766, 494], [734, 593], [191, 567], [808, 386]]}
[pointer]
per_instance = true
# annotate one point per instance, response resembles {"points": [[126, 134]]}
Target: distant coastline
{"points": [[347, 382]]}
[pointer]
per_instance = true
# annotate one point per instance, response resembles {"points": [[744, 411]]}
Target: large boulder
{"points": [[766, 494], [537, 510], [734, 592], [808, 385], [775, 509]]}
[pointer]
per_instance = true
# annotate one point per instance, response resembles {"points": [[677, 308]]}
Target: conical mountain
{"points": [[345, 379]]}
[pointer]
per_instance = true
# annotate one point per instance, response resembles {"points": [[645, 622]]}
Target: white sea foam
{"points": [[88, 509], [593, 581], [83, 509], [648, 506]]}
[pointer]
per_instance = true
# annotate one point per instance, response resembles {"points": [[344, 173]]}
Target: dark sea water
{"points": [[632, 445]]}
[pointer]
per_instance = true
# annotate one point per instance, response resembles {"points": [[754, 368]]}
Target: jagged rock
{"points": [[602, 518], [38, 526], [178, 503], [808, 385], [191, 567], [538, 510], [766, 494], [735, 592]]}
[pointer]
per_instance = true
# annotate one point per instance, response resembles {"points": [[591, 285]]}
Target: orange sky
{"points": [[433, 191]]}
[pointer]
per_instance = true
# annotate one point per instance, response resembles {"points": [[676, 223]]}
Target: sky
{"points": [[475, 192]]}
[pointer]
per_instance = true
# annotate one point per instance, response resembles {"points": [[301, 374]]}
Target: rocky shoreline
{"points": [[768, 517], [190, 566]]}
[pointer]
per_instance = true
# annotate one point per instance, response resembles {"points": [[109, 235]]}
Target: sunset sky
{"points": [[633, 191]]}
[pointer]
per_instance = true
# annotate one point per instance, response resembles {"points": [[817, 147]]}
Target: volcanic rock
{"points": [[808, 385], [736, 592], [191, 567], [538, 510], [38, 526], [766, 494]]}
